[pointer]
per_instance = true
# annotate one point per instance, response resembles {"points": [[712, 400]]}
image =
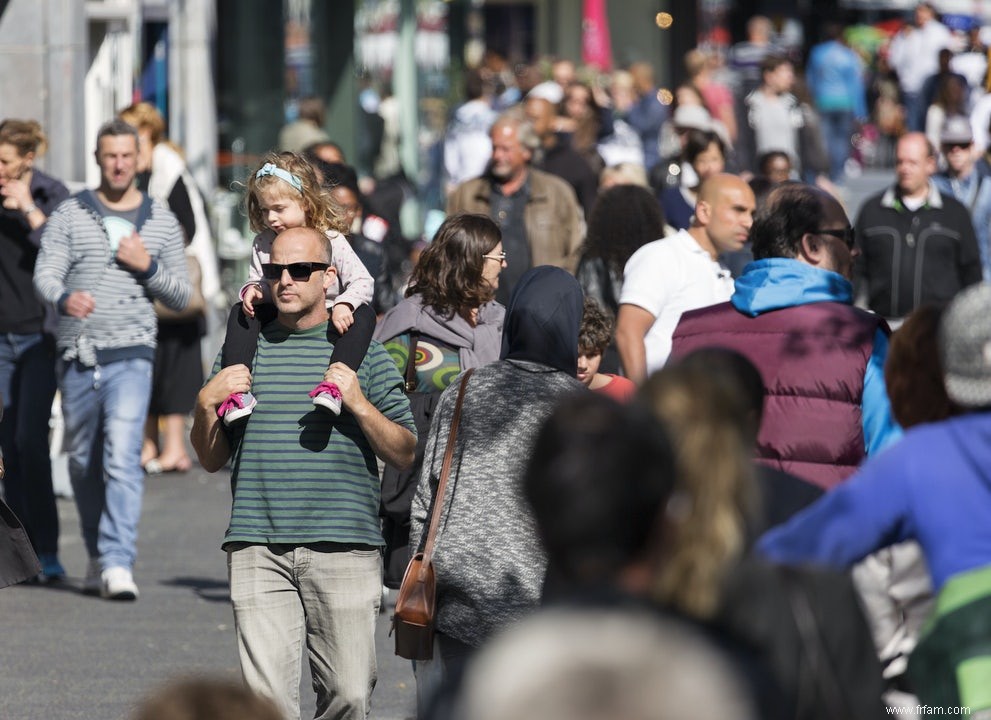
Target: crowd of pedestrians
{"points": [[686, 430]]}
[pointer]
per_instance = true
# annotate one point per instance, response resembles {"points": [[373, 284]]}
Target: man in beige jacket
{"points": [[538, 213]]}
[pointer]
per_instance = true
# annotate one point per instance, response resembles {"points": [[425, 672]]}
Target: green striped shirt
{"points": [[300, 474]]}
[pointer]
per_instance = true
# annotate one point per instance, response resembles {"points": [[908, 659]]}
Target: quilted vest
{"points": [[812, 359]]}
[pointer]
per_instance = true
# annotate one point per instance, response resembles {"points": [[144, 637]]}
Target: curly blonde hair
{"points": [[714, 493], [321, 212]]}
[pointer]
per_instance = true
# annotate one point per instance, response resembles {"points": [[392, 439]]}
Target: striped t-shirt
{"points": [[302, 475]]}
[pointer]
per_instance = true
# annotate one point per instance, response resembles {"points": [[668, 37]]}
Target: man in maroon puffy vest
{"points": [[821, 359]]}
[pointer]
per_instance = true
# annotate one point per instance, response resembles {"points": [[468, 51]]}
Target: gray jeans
{"points": [[323, 595]]}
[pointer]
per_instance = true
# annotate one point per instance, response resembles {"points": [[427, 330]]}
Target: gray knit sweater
{"points": [[75, 255], [489, 563]]}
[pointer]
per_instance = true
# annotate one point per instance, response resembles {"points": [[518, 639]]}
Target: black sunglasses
{"points": [[297, 270], [848, 235]]}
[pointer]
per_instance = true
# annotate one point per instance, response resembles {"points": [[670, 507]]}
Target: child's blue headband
{"points": [[271, 169]]}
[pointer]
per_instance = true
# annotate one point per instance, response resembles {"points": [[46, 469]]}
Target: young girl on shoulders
{"points": [[284, 193]]}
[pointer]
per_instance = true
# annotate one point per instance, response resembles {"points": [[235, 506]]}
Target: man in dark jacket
{"points": [[822, 361], [917, 244]]}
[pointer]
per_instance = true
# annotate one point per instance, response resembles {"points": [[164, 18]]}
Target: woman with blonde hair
{"points": [[806, 626], [27, 345]]}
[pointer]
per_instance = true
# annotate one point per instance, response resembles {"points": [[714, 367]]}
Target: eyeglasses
{"points": [[848, 235], [297, 270], [498, 257]]}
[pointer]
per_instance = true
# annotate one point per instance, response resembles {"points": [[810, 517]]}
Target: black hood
{"points": [[543, 318]]}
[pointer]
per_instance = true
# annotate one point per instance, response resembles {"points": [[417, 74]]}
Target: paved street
{"points": [[66, 656]]}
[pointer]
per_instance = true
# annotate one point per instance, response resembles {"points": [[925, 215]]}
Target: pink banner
{"points": [[596, 47]]}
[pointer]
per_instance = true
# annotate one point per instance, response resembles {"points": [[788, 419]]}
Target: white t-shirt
{"points": [[666, 278]]}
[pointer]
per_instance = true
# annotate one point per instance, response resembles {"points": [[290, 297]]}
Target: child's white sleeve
{"points": [[261, 252], [357, 285]]}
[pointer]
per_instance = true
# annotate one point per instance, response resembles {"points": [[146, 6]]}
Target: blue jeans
{"points": [[27, 386], [105, 409], [837, 129], [321, 597]]}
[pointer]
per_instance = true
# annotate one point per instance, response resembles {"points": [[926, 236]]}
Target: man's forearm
{"points": [[393, 443], [633, 357], [208, 439]]}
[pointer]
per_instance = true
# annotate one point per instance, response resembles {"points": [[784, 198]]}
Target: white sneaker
{"points": [[93, 582], [118, 584]]}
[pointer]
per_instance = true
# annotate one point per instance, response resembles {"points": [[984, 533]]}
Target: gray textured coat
{"points": [[489, 562]]}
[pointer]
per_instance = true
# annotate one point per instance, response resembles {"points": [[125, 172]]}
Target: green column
{"points": [[250, 80], [332, 44]]}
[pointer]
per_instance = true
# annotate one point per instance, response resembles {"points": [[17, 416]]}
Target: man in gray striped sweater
{"points": [[106, 255]]}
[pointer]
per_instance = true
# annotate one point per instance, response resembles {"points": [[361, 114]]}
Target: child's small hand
{"points": [[252, 295], [342, 317]]}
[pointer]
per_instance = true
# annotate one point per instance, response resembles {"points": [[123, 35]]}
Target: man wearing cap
{"points": [[962, 180], [917, 244], [934, 486]]}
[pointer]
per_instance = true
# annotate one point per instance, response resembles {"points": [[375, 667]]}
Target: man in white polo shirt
{"points": [[669, 276]]}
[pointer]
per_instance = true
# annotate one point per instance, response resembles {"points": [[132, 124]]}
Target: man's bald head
{"points": [[310, 238], [915, 163], [720, 184], [724, 213]]}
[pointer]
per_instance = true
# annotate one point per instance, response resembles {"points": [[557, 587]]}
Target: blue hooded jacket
{"points": [[934, 487]]}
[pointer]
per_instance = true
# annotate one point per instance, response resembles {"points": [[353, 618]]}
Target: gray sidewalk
{"points": [[66, 656]]}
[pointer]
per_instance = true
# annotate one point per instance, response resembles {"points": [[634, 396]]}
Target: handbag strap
{"points": [[445, 471], [414, 339]]}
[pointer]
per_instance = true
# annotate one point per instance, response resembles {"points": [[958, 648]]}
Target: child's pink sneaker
{"points": [[327, 395]]}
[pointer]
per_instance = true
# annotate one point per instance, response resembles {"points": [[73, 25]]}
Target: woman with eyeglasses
{"points": [[448, 322]]}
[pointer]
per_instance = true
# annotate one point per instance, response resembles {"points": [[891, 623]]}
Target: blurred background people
{"points": [[705, 153], [27, 344], [580, 664], [307, 128], [914, 55], [205, 699], [467, 146], [178, 369], [835, 80]]}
